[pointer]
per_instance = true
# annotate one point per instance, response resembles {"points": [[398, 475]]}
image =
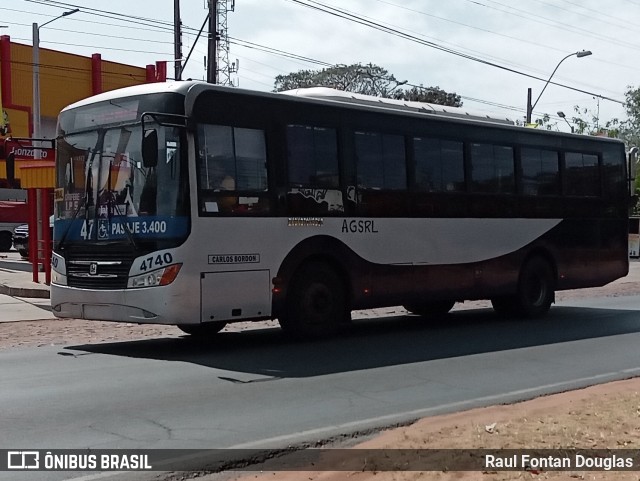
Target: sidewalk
{"points": [[21, 299], [16, 278]]}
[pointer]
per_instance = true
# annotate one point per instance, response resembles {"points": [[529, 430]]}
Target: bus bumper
{"points": [[135, 306]]}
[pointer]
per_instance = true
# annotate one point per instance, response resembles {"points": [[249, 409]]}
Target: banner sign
{"points": [[534, 461], [25, 151]]}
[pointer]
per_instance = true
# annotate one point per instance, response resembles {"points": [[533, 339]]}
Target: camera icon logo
{"points": [[23, 460]]}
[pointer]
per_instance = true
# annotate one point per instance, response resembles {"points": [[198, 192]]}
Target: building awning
{"points": [[37, 174]]}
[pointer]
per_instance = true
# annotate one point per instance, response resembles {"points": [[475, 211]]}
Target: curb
{"points": [[24, 292]]}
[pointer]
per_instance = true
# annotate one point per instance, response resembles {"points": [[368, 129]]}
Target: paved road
{"points": [[256, 389]]}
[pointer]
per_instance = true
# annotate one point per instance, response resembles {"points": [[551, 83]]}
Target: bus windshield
{"points": [[105, 193]]}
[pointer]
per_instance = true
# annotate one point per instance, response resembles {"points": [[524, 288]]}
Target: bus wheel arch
{"points": [[316, 299]]}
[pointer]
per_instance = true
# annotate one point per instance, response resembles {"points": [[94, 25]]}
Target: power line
{"points": [[537, 43], [106, 13], [599, 14], [162, 26], [99, 47], [287, 54], [315, 5], [275, 51], [563, 26]]}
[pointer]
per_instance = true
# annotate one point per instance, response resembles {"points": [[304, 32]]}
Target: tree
{"points": [[367, 79], [630, 128], [588, 123], [432, 95], [584, 122]]}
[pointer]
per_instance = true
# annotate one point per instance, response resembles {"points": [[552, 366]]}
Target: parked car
{"points": [[21, 238], [12, 214]]}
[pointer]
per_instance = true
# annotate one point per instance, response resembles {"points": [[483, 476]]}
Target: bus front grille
{"points": [[98, 271]]}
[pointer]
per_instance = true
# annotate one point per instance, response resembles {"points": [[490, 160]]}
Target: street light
{"points": [[580, 54], [36, 75], [564, 117]]}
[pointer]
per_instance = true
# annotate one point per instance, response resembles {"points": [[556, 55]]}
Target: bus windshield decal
{"points": [[120, 227]]}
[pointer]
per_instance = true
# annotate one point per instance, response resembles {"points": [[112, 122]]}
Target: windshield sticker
{"points": [[116, 228]]}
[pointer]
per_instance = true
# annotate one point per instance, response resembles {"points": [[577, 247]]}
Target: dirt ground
{"points": [[600, 417], [606, 416]]}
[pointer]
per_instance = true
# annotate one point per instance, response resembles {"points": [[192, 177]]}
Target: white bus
{"points": [[199, 205]]}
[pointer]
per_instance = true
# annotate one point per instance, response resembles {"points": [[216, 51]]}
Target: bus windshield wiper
{"points": [[87, 186], [113, 205]]}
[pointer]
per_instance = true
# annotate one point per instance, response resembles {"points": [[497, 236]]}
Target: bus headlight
{"points": [[57, 278], [159, 277]]}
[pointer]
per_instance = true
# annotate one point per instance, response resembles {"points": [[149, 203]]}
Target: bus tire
{"points": [[430, 309], [202, 330], [316, 303], [504, 306], [536, 289]]}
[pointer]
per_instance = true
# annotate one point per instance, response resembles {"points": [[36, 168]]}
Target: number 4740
{"points": [[156, 261]]}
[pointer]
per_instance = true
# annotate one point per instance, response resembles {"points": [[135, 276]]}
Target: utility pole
{"points": [[177, 40], [212, 55], [225, 68], [219, 69]]}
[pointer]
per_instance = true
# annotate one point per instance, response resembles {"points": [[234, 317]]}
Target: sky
{"points": [[488, 52]]}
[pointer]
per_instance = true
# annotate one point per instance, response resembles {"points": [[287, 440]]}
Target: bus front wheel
{"points": [[316, 302], [202, 330]]}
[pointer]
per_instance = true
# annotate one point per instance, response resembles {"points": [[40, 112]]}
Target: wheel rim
{"points": [[537, 291], [317, 303]]}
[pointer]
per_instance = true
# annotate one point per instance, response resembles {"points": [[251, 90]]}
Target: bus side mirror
{"points": [[633, 163], [150, 148]]}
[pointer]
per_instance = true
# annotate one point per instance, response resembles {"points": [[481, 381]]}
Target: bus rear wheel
{"points": [[202, 330], [504, 306], [536, 291], [316, 303], [430, 309]]}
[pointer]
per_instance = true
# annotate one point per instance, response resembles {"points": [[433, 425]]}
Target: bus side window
{"points": [[581, 177], [381, 174], [380, 161], [439, 165], [540, 172], [613, 171], [493, 169], [314, 180], [232, 169]]}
